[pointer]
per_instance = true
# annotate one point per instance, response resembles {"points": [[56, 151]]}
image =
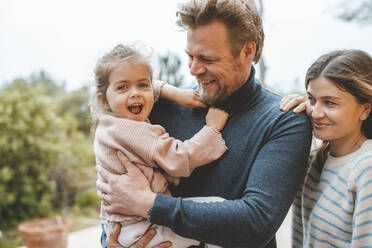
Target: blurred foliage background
{"points": [[47, 164]]}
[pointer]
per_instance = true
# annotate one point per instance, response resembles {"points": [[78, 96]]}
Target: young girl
{"points": [[123, 101], [334, 206]]}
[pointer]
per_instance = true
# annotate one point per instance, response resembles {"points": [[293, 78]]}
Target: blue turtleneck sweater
{"points": [[259, 174]]}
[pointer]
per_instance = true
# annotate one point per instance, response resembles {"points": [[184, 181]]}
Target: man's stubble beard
{"points": [[213, 98]]}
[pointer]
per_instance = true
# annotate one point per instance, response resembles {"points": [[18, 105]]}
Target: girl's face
{"points": [[336, 115], [130, 93]]}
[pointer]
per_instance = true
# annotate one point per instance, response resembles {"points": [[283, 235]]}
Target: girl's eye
{"points": [[122, 87], [143, 85]]}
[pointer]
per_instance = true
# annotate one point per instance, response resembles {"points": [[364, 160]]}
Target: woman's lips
{"points": [[320, 124]]}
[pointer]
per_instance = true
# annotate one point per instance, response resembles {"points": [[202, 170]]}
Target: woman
{"points": [[334, 206]]}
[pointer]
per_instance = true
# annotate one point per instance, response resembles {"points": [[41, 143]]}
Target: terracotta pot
{"points": [[45, 233]]}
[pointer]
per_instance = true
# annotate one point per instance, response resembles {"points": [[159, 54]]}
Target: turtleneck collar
{"points": [[242, 96]]}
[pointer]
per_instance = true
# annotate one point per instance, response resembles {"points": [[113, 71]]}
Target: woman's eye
{"points": [[329, 103]]}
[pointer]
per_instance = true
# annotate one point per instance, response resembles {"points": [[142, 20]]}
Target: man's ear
{"points": [[367, 108], [101, 99], [248, 52]]}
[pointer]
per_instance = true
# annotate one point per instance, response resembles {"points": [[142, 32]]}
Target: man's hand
{"points": [[128, 194], [112, 241]]}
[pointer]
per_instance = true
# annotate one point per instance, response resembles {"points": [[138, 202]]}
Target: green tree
{"points": [[169, 69], [46, 155], [29, 139], [75, 102]]}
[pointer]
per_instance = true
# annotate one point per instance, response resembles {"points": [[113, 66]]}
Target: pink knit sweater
{"points": [[150, 148]]}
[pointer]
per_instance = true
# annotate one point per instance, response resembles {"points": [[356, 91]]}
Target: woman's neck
{"points": [[342, 147]]}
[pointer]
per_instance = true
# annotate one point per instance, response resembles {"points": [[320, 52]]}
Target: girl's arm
{"points": [[155, 147], [187, 98]]}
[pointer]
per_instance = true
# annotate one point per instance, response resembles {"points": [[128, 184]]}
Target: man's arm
{"points": [[252, 220]]}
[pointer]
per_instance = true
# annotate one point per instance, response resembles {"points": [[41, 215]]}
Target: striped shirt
{"points": [[334, 206]]}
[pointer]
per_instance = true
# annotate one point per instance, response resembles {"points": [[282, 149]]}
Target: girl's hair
{"points": [[104, 66], [351, 71]]}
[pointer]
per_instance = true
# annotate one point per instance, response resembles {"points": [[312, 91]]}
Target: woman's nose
{"points": [[317, 111]]}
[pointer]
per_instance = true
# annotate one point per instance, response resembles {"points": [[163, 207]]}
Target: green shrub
{"points": [[29, 138], [87, 199]]}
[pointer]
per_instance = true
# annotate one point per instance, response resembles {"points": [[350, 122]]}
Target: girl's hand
{"points": [[189, 98], [293, 100], [112, 241], [216, 118]]}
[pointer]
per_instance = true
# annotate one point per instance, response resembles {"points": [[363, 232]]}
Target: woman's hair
{"points": [[241, 18], [104, 66], [351, 71]]}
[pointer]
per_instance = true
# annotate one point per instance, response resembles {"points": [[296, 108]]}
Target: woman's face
{"points": [[336, 115]]}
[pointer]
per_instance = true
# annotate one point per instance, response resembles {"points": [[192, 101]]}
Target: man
{"points": [[268, 149]]}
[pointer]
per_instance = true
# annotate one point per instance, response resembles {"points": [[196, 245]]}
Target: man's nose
{"points": [[197, 68]]}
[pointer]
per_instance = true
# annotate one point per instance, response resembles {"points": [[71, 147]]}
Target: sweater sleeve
{"points": [[179, 158], [157, 85], [154, 146], [362, 216], [253, 219]]}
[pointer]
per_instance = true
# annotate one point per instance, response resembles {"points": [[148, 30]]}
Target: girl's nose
{"points": [[134, 92]]}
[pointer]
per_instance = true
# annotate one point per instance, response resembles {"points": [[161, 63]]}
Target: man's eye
{"points": [[329, 103]]}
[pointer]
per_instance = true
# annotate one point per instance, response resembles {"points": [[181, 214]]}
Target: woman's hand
{"points": [[293, 100], [112, 240]]}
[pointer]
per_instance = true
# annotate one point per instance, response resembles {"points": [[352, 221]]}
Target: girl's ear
{"points": [[367, 107], [101, 99]]}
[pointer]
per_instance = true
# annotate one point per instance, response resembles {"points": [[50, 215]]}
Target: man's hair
{"points": [[241, 18]]}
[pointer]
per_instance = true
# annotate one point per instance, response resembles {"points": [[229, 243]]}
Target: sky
{"points": [[65, 38]]}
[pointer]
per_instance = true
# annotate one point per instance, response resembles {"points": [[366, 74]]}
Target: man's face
{"points": [[218, 72]]}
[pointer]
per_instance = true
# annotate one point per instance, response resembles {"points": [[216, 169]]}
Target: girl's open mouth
{"points": [[135, 108]]}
